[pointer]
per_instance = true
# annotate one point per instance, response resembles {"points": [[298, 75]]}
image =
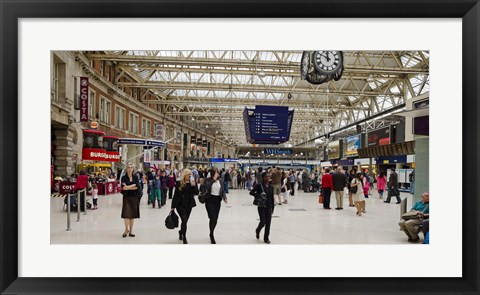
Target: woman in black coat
{"points": [[130, 205], [184, 201], [266, 212], [215, 194]]}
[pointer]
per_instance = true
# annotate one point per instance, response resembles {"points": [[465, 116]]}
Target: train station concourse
{"points": [[236, 147]]}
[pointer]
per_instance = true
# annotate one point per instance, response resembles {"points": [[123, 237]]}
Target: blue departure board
{"points": [[267, 124]]}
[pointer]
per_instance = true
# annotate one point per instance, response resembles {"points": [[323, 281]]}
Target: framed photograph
{"points": [[32, 264]]}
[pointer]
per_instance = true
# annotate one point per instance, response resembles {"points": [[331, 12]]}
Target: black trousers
{"points": [[184, 214], [265, 214], [326, 197], [292, 188], [390, 193], [170, 192], [212, 204]]}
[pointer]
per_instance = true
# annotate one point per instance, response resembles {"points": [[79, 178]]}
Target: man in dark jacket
{"points": [[393, 187], [338, 179]]}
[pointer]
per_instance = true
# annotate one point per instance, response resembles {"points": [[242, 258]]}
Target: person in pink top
{"points": [[381, 183]]}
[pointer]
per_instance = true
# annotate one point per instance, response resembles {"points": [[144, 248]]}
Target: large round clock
{"points": [[327, 62]]}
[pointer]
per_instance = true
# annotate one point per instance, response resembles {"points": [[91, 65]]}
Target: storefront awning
{"points": [[140, 141]]}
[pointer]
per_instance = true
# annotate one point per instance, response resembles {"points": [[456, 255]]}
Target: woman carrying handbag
{"points": [[215, 195], [265, 211], [183, 201]]}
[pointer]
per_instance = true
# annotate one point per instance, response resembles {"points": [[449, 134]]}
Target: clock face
{"points": [[327, 62]]}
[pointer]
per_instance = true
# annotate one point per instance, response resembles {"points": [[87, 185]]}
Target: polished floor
{"points": [[302, 221]]}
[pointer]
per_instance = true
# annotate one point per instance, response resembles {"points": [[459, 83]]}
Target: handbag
{"points": [[410, 215], [203, 194], [171, 221], [260, 199], [282, 190], [354, 189], [321, 198]]}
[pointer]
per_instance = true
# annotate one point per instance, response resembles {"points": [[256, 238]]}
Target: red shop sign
{"points": [[100, 155], [65, 187]]}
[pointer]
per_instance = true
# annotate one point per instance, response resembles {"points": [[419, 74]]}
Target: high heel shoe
{"points": [[257, 234], [267, 241], [180, 236], [212, 239], [125, 234], [185, 240]]}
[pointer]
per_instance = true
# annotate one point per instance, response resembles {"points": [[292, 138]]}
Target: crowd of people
{"points": [[275, 183]]}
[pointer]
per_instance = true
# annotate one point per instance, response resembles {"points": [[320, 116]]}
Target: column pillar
{"points": [[421, 167]]}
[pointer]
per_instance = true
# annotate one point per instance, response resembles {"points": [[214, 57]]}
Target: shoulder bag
{"points": [[260, 199]]}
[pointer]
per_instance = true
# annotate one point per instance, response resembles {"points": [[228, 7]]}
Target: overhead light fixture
{"points": [[206, 126]]}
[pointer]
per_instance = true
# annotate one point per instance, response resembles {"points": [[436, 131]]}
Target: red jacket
{"points": [[327, 181], [82, 182]]}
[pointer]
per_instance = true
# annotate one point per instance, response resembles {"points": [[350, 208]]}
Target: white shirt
{"points": [[216, 188]]}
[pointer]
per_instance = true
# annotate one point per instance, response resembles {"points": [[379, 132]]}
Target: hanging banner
{"points": [[83, 99]]}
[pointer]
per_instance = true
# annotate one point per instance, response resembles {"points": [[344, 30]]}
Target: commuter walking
{"points": [[265, 213], [156, 195], [163, 189], [277, 184], [393, 187], [292, 179], [130, 206], [338, 180], [184, 201], [234, 179], [381, 184], [215, 195], [357, 191], [227, 180], [249, 178]]}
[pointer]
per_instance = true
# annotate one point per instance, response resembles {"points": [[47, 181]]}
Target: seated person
{"points": [[410, 226]]}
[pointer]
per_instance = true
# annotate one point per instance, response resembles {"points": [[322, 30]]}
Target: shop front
{"points": [[99, 153]]}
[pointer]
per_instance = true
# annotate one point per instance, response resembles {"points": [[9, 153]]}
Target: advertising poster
{"points": [[352, 146], [379, 137], [334, 150]]}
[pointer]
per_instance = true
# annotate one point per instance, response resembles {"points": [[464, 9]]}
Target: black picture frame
{"points": [[12, 11]]}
